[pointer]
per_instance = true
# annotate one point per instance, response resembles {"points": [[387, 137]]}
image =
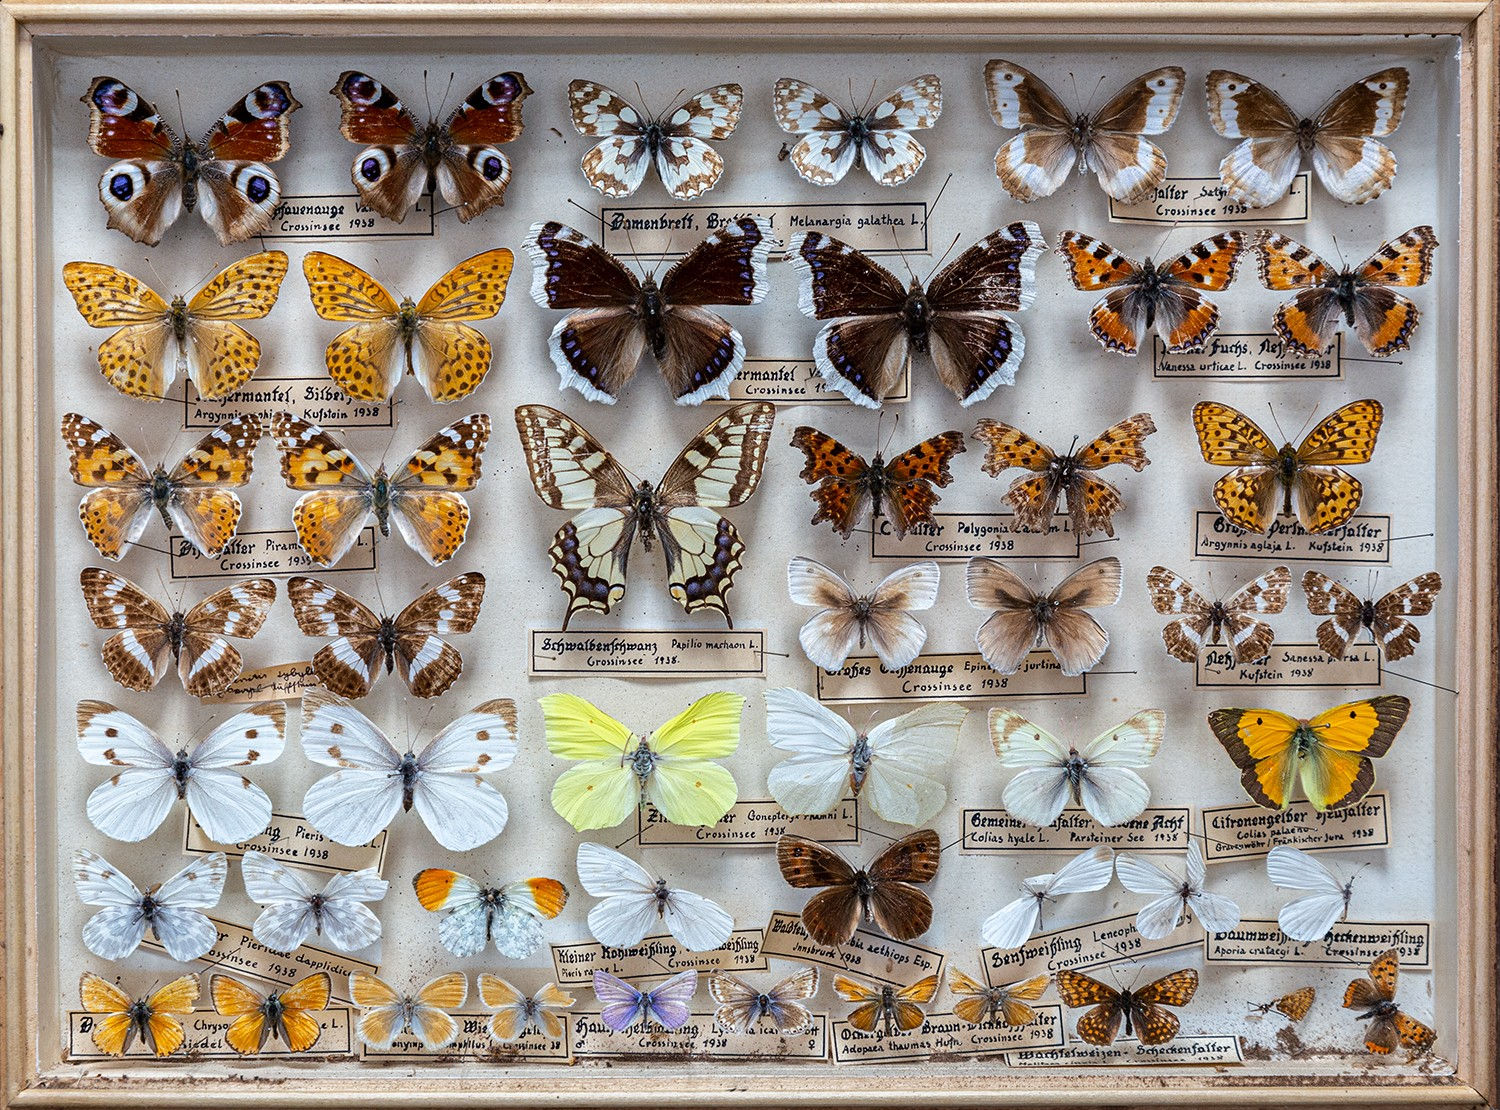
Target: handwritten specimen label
{"points": [[325, 217], [1190, 201], [867, 955], [794, 381], [699, 1037], [1079, 947], [1180, 1050], [475, 1043], [955, 537], [272, 554], [1250, 831], [289, 838], [316, 400], [948, 1037], [239, 953], [284, 680], [875, 227], [654, 958], [204, 1032], [1348, 942], [960, 676], [1364, 539], [1159, 829], [1245, 357], [752, 823], [722, 654], [1290, 665]]}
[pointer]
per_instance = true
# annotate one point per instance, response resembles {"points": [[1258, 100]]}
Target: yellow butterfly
{"points": [[428, 338], [673, 769], [1331, 753], [287, 1014], [206, 344], [156, 1018]]}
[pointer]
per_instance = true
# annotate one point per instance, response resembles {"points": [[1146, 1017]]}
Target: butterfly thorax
{"points": [[1307, 135], [647, 514], [149, 906], [1304, 741], [1286, 473], [315, 904], [859, 130], [177, 316], [1345, 286], [1083, 139], [888, 1008], [1149, 283], [652, 136], [140, 1021], [642, 763], [916, 314], [434, 143], [1381, 1011], [182, 770], [1367, 612], [1125, 1005], [864, 889], [191, 162], [175, 631], [761, 1008], [407, 321], [1042, 610], [859, 762], [161, 493], [652, 311], [409, 772], [1075, 770], [380, 500], [386, 638], [661, 894], [272, 1009]]}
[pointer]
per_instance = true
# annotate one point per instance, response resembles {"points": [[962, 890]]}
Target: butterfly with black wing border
{"points": [[459, 156], [676, 143], [719, 468], [900, 490], [1385, 616], [223, 176], [879, 138], [958, 319], [1143, 1011], [618, 317]]}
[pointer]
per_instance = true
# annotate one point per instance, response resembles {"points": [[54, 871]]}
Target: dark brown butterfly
{"points": [[409, 640], [1092, 502], [618, 316], [881, 893], [900, 490], [1294, 1005], [1234, 620], [1385, 616], [1376, 996], [1143, 1011]]}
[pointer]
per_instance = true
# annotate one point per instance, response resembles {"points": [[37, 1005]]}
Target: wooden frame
{"points": [[26, 26]]}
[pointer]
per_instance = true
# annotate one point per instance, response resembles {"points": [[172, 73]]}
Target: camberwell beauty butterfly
{"points": [[223, 176], [459, 157], [1109, 142], [1341, 137], [958, 320], [832, 140]]}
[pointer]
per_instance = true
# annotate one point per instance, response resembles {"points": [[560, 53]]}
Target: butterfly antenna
{"points": [[1097, 86], [1277, 423], [896, 247], [870, 99], [443, 104], [181, 118], [933, 206], [1342, 264], [1161, 244], [943, 258]]}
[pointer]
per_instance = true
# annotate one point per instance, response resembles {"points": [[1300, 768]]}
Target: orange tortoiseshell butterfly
{"points": [[1143, 295], [900, 490], [1376, 996], [1143, 1011]]}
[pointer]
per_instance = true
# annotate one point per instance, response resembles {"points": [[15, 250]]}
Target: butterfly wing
{"points": [[1185, 319], [1110, 790], [1119, 320], [1072, 634], [894, 633], [340, 491], [177, 918], [114, 1028], [669, 1004], [826, 150], [1036, 795], [628, 906], [910, 478], [832, 915], [430, 1018], [863, 358], [1309, 918], [350, 664], [384, 1015], [1246, 496], [117, 506], [1353, 166], [288, 919], [899, 908], [621, 1004], [228, 806], [843, 479], [601, 791], [119, 927], [837, 629], [1339, 771], [1327, 495], [458, 806], [1325, 597], [448, 357], [134, 359], [688, 166], [1383, 319], [142, 192], [617, 165], [138, 656], [367, 360], [1101, 1024], [739, 1002], [1250, 637], [685, 784], [428, 664], [1036, 162], [1032, 499], [1153, 1023], [888, 150], [1012, 629], [222, 356], [1128, 165], [1173, 594], [1259, 171], [1091, 500], [427, 501], [909, 758], [392, 174], [209, 663], [358, 800], [201, 501], [1260, 742], [525, 903], [237, 193], [1416, 598], [698, 924], [818, 772], [473, 172], [133, 802], [1164, 912]]}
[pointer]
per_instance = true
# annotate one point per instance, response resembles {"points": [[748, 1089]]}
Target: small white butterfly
{"points": [[149, 777], [1180, 897], [1012, 924], [474, 914], [294, 911], [895, 766], [1313, 917], [374, 780], [833, 139], [634, 902], [171, 910], [848, 620], [1098, 778]]}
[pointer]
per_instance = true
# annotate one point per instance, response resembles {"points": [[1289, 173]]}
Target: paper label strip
{"points": [[875, 227], [699, 1037], [795, 381], [1158, 829], [956, 537], [1191, 201], [654, 958], [1350, 944], [868, 955], [1290, 666], [963, 676], [314, 399], [334, 217], [1181, 1050], [751, 823], [204, 1030], [1079, 947], [272, 554], [1246, 357], [289, 838], [724, 654], [284, 680], [1363, 540], [947, 1037], [1249, 831], [475, 1043]]}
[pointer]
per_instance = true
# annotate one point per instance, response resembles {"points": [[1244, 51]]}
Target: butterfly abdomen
{"points": [[182, 770], [380, 501], [917, 315], [1346, 289], [653, 318], [386, 637], [176, 629], [1287, 474]]}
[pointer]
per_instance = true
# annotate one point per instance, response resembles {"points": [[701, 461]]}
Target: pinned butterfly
{"points": [[833, 139], [1199, 623], [675, 143], [901, 491], [1022, 620], [847, 621], [1386, 616]]}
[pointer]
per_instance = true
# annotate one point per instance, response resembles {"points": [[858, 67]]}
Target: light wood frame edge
{"points": [[1477, 741]]}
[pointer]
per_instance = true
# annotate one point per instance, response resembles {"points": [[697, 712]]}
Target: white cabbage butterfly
{"points": [[294, 911], [1179, 896], [633, 902]]}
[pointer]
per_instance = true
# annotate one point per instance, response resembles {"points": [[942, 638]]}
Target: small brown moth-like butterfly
{"points": [[1384, 616], [150, 637], [409, 640], [1024, 620], [881, 893], [886, 1009], [1198, 621], [1294, 1005], [1376, 996], [1143, 1011], [1091, 501], [1007, 1005], [900, 490]]}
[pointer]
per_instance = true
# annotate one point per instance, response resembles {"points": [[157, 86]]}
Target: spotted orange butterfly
{"points": [[1092, 502], [1294, 1005], [1142, 295], [1326, 494], [900, 490], [159, 340], [1143, 1011], [1376, 996], [287, 1014], [197, 495], [1359, 297], [430, 338], [423, 496], [156, 1018]]}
